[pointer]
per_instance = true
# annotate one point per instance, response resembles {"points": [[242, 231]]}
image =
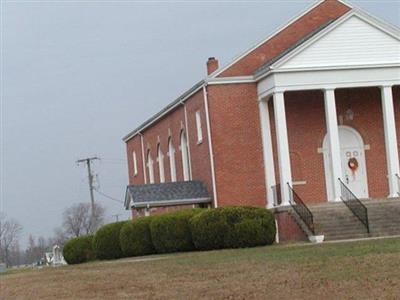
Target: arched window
{"points": [[171, 154], [135, 169], [160, 158], [185, 157], [150, 167]]}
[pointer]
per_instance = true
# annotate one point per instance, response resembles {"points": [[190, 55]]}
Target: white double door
{"points": [[354, 173]]}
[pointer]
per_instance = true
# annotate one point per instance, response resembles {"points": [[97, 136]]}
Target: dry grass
{"points": [[357, 270]]}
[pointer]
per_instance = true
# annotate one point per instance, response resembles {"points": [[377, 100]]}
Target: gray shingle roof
{"points": [[164, 194]]}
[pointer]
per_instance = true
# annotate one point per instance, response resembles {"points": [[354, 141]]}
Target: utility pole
{"points": [[88, 162]]}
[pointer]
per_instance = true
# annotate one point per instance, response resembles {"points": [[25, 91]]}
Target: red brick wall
{"points": [[237, 147], [134, 144], [318, 16], [158, 133], [141, 212], [288, 229], [200, 156]]}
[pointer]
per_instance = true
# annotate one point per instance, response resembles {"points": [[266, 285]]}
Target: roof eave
{"points": [[178, 101], [170, 202]]}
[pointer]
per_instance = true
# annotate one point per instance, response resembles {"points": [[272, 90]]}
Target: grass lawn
{"points": [[353, 270]]}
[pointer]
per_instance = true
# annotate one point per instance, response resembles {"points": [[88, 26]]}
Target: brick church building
{"points": [[308, 114]]}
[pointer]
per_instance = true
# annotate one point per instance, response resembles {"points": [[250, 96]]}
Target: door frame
{"points": [[328, 171]]}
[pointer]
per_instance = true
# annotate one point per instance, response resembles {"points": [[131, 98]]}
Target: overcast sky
{"points": [[79, 75]]}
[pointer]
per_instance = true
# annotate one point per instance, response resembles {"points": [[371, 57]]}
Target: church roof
{"points": [[166, 194]]}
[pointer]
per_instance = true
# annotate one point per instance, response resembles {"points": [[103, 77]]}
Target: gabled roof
{"points": [[219, 72], [178, 101], [200, 84], [322, 31], [267, 65], [166, 194]]}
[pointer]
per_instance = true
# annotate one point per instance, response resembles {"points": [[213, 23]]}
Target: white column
{"points": [[334, 143], [392, 155], [269, 166], [285, 173]]}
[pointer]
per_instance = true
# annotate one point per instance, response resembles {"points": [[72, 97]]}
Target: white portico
{"points": [[355, 51]]}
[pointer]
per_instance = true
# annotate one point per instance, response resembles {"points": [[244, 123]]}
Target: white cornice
{"points": [[230, 80]]}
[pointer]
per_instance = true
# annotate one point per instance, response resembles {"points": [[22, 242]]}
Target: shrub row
{"points": [[79, 250], [184, 230], [233, 227]]}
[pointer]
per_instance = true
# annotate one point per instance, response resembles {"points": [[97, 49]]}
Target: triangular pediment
{"points": [[352, 42]]}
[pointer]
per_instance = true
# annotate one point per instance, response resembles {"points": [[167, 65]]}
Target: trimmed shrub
{"points": [[106, 241], [79, 250], [171, 233], [232, 227], [135, 237]]}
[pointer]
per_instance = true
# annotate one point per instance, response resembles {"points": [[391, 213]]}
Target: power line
{"points": [[107, 196]]}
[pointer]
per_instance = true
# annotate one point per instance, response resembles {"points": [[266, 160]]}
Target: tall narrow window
{"points": [[135, 170], [171, 153], [185, 157], [160, 159], [199, 129], [150, 167]]}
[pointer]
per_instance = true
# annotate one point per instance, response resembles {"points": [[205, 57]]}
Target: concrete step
{"points": [[336, 221]]}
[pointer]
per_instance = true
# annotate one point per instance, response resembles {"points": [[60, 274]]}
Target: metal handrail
{"points": [[301, 209], [354, 204]]}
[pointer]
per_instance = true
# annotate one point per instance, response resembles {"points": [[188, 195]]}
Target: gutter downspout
{"points": [[143, 158], [210, 145], [188, 140]]}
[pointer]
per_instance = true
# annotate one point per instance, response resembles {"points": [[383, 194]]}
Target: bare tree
{"points": [[78, 219], [9, 234], [59, 237]]}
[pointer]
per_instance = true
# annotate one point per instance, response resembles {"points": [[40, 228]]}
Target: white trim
{"points": [[366, 18], [231, 80], [281, 28], [170, 202], [299, 182], [143, 159], [135, 167], [329, 79], [172, 162], [333, 67], [210, 147], [141, 129], [392, 153], [334, 144], [187, 141], [269, 165], [185, 156], [160, 159], [282, 142], [325, 152], [199, 128], [150, 166]]}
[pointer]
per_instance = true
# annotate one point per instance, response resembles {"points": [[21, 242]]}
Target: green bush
{"points": [[232, 227], [79, 250], [135, 237], [171, 233], [106, 241]]}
